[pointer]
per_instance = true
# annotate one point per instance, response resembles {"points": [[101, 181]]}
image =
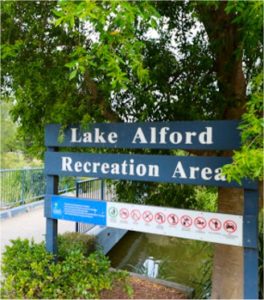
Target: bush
{"points": [[30, 272], [74, 241]]}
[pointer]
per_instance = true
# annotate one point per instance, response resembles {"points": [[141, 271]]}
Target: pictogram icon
{"points": [[113, 211], [186, 221], [147, 216], [200, 222], [124, 213], [160, 218], [172, 219], [135, 214], [230, 226], [215, 224]]}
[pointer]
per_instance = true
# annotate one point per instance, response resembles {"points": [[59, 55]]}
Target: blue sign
{"points": [[78, 210], [206, 135], [155, 168]]}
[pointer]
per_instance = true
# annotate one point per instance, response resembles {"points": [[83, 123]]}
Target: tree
{"points": [[83, 61], [8, 132]]}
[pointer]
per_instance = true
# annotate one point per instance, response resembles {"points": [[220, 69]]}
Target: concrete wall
{"points": [[106, 238]]}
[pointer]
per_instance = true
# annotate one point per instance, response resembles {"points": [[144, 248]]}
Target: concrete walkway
{"points": [[29, 225]]}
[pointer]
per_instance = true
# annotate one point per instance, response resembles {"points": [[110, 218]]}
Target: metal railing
{"points": [[97, 189], [21, 186]]}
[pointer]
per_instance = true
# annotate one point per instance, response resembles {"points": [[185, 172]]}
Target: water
{"points": [[178, 260]]}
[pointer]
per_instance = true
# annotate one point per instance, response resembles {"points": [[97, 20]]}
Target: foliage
{"points": [[117, 24], [16, 160], [248, 162], [171, 195], [30, 272], [9, 141], [73, 241], [119, 60], [11, 144], [204, 288]]}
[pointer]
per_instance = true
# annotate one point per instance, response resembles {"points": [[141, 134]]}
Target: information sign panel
{"points": [[189, 224], [210, 135], [78, 210]]}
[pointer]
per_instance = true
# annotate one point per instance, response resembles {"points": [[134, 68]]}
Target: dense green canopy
{"points": [[88, 61]]}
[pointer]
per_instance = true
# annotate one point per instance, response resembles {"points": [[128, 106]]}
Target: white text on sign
{"points": [[162, 136]]}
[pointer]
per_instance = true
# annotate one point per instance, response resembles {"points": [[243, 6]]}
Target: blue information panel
{"points": [[78, 210]]}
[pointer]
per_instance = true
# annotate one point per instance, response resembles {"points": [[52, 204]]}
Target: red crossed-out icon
{"points": [[147, 216], [215, 224], [135, 214], [186, 221], [124, 213], [160, 218], [200, 222], [230, 226], [172, 219]]}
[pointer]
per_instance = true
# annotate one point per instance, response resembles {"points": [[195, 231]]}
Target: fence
{"points": [[20, 186], [94, 189]]}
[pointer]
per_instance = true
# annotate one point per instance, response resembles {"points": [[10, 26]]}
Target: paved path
{"points": [[29, 225]]}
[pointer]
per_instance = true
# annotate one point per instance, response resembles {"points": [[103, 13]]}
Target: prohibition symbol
{"points": [[147, 216], [186, 221], [215, 224], [230, 226], [160, 217], [113, 211], [135, 214], [172, 219], [124, 214], [200, 222]]}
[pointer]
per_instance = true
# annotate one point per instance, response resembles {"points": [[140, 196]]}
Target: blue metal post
{"points": [[250, 232], [51, 224]]}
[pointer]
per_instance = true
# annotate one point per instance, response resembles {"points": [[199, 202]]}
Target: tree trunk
{"points": [[226, 44], [228, 260]]}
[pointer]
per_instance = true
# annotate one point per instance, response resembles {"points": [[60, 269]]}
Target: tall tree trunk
{"points": [[226, 44], [228, 260]]}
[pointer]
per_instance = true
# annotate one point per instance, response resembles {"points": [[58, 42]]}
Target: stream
{"points": [[179, 260]]}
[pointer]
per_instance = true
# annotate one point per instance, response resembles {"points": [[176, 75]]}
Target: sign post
{"points": [[52, 187], [200, 135], [251, 244]]}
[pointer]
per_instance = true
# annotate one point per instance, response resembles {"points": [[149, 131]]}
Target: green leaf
{"points": [[73, 74], [71, 64]]}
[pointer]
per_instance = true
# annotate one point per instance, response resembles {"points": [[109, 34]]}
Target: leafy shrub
{"points": [[74, 241], [30, 272]]}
